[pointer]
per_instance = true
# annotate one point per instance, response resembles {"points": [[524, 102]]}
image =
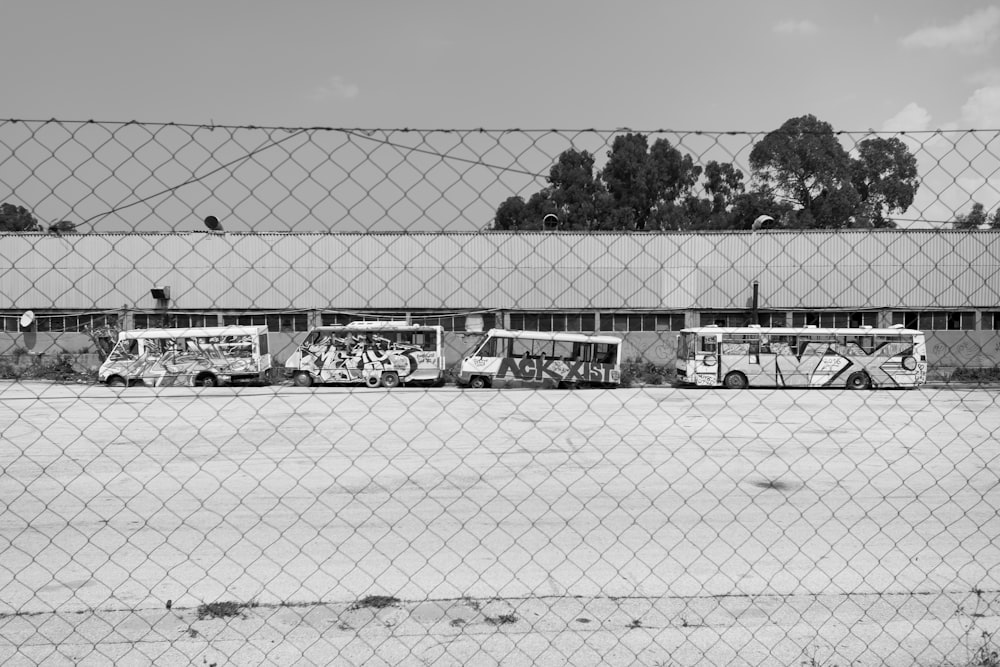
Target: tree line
{"points": [[801, 178]]}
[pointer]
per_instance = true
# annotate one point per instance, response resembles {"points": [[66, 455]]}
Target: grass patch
{"points": [[640, 371], [226, 609], [375, 602]]}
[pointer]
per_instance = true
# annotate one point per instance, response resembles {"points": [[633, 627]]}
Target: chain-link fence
{"points": [[272, 522]]}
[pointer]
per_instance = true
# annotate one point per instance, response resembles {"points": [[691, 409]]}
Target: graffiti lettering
{"points": [[553, 369]]}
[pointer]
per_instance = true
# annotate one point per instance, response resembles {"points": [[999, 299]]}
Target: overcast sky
{"points": [[536, 64]]}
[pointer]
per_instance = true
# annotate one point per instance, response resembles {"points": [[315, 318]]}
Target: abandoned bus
{"points": [[862, 358], [372, 353], [201, 356], [566, 360]]}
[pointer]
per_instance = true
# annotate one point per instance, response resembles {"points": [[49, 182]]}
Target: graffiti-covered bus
{"points": [[198, 356], [755, 356], [375, 354], [564, 360]]}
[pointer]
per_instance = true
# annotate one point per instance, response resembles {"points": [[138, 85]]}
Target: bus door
{"points": [[706, 359]]}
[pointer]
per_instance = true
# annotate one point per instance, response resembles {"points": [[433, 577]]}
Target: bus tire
{"points": [[390, 380], [859, 380], [373, 381], [206, 380], [117, 381], [478, 382], [302, 379], [735, 380]]}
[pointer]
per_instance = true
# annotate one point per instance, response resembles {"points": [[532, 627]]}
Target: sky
{"points": [[529, 64]]}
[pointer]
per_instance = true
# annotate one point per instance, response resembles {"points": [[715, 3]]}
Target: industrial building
{"points": [[643, 286]]}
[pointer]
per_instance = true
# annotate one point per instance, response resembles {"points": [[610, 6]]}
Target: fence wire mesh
{"points": [[274, 522]]}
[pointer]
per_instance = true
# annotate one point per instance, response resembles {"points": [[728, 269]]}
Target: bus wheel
{"points": [[735, 380], [206, 380], [390, 380], [859, 380], [302, 379], [373, 381], [117, 381], [478, 382]]}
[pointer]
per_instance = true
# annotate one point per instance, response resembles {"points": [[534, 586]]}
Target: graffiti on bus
{"points": [[176, 369], [558, 370], [335, 359]]}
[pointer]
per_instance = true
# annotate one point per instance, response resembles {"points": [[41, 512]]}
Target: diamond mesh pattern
{"points": [[644, 525]]}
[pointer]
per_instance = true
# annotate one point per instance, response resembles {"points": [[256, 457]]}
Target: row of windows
{"points": [[531, 321], [591, 322], [838, 319], [945, 321], [447, 322], [62, 323]]}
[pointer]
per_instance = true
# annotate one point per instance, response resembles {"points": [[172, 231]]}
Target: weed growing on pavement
{"points": [[224, 609], [502, 619], [375, 602]]}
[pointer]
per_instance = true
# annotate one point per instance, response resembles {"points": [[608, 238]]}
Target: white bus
{"points": [[755, 356], [199, 356], [372, 353], [565, 360]]}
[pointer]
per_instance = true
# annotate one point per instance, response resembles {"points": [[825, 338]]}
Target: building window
{"points": [[58, 322], [148, 321], [339, 319], [273, 321], [194, 320], [936, 320], [765, 318], [642, 321], [451, 322], [545, 321], [772, 319], [835, 319], [991, 321]]}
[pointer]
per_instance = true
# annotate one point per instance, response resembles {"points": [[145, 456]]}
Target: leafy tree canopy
{"points": [[801, 176], [17, 219], [974, 219]]}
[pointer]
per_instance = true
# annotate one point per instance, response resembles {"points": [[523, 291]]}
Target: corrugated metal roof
{"points": [[565, 270]]}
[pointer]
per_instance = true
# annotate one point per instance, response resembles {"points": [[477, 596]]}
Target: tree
{"points": [[972, 220], [804, 163], [643, 179], [17, 219], [885, 176]]}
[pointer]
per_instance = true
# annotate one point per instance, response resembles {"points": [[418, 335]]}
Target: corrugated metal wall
{"points": [[850, 269]]}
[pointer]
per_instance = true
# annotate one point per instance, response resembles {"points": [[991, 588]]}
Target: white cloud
{"points": [[910, 118], [792, 27], [974, 33], [336, 87], [982, 110]]}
